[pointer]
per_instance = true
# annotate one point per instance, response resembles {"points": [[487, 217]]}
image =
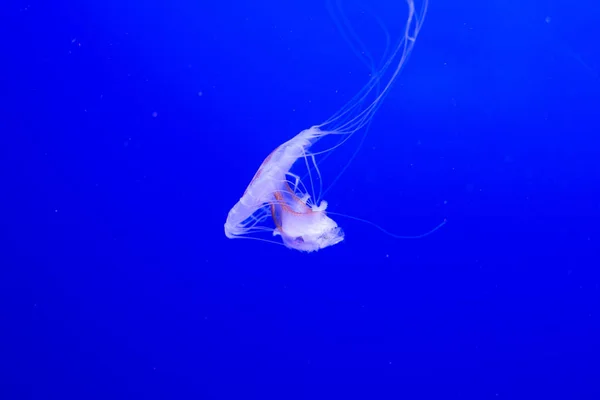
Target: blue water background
{"points": [[131, 128]]}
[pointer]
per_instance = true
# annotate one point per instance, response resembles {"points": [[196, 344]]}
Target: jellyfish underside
{"points": [[299, 215]]}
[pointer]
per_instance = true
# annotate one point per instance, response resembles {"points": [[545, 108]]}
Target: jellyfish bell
{"points": [[278, 194]]}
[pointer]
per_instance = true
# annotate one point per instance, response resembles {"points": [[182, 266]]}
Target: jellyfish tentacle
{"points": [[316, 166]]}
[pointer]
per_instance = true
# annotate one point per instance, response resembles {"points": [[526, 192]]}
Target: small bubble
{"points": [[155, 114]]}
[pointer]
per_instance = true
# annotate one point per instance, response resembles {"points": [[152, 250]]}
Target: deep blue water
{"points": [[130, 129]]}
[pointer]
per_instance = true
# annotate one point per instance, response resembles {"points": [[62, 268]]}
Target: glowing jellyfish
{"points": [[277, 194]]}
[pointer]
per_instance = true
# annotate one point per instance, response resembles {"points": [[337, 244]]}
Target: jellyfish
{"points": [[277, 194]]}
